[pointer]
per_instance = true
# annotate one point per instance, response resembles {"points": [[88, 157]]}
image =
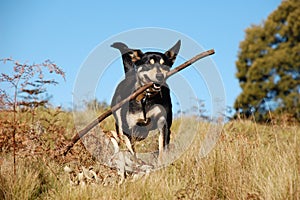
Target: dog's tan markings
{"points": [[170, 54], [152, 73], [152, 61], [134, 56], [161, 61]]}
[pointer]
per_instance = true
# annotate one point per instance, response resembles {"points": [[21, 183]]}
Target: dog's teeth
{"points": [[156, 86]]}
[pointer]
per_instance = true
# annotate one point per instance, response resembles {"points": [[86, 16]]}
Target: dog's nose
{"points": [[160, 77]]}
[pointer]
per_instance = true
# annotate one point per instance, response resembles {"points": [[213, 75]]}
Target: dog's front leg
{"points": [[162, 139], [128, 144], [121, 136], [160, 147]]}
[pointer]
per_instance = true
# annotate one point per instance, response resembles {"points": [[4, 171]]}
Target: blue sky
{"points": [[67, 31]]}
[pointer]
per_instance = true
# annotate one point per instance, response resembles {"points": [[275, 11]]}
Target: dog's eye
{"points": [[161, 61], [152, 61]]}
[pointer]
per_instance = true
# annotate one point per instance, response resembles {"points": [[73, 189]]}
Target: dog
{"points": [[151, 110]]}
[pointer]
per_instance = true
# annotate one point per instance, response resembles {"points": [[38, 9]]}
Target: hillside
{"points": [[249, 161]]}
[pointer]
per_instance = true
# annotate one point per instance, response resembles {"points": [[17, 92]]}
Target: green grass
{"points": [[249, 161]]}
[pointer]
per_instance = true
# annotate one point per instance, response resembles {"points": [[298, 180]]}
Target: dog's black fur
{"points": [[153, 110]]}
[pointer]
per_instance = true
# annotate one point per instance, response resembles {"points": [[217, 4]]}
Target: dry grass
{"points": [[250, 161]]}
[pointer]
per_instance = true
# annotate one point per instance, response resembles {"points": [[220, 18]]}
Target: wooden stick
{"points": [[99, 119], [191, 61], [104, 115]]}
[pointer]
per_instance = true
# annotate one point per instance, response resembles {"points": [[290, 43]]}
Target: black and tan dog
{"points": [[151, 110]]}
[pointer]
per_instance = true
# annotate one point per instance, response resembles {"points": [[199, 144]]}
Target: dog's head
{"points": [[149, 66]]}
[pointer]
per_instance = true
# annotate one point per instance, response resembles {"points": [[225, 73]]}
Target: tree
{"points": [[268, 66], [29, 80]]}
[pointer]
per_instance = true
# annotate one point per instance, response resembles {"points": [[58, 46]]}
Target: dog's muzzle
{"points": [[156, 85]]}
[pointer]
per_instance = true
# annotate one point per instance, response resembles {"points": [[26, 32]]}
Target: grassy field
{"points": [[250, 161]]}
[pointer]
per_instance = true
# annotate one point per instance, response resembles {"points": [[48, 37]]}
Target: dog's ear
{"points": [[129, 56], [172, 53]]}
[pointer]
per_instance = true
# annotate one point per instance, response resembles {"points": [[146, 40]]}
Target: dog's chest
{"points": [[154, 114]]}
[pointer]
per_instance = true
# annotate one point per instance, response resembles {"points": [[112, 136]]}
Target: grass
{"points": [[249, 161]]}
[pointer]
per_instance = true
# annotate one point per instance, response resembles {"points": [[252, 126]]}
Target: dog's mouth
{"points": [[154, 89], [156, 86]]}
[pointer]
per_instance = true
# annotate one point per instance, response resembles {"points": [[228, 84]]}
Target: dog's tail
{"points": [[129, 57], [121, 46]]}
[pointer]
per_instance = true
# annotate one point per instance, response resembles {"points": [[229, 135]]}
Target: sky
{"points": [[68, 32]]}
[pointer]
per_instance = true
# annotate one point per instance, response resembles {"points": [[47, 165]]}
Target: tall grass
{"points": [[250, 161]]}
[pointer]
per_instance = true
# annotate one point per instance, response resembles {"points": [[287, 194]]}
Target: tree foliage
{"points": [[268, 66], [26, 84]]}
